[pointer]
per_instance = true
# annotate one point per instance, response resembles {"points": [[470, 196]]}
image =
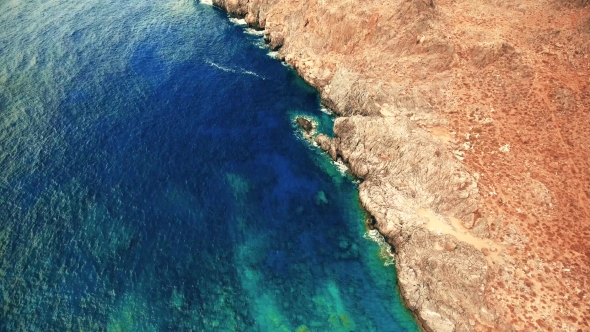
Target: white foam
{"points": [[229, 70], [340, 166], [386, 252], [254, 32], [273, 55], [326, 110], [207, 2], [238, 21], [261, 44], [235, 71]]}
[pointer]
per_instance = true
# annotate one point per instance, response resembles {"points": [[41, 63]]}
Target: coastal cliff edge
{"points": [[468, 124]]}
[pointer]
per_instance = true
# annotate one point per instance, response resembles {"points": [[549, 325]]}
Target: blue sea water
{"points": [[152, 178]]}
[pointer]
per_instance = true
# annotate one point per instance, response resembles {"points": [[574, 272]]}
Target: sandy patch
{"points": [[437, 225]]}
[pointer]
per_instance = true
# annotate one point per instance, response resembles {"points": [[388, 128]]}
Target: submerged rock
{"points": [[320, 198]]}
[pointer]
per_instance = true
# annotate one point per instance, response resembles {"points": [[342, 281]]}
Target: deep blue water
{"points": [[152, 178]]}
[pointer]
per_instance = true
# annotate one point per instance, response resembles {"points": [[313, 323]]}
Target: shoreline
{"points": [[436, 106], [344, 168], [433, 321]]}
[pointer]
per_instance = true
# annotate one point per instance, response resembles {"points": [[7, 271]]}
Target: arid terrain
{"points": [[469, 123]]}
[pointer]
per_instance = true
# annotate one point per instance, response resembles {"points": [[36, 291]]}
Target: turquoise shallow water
{"points": [[152, 179]]}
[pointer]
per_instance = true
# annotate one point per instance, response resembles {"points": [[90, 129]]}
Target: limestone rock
{"points": [[275, 40]]}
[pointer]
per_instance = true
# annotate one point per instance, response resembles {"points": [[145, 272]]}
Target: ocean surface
{"points": [[152, 178]]}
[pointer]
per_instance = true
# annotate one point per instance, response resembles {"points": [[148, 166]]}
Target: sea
{"points": [[153, 178]]}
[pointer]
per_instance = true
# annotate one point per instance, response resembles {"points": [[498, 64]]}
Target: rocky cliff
{"points": [[468, 124]]}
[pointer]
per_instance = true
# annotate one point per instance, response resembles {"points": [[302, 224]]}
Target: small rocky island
{"points": [[305, 124]]}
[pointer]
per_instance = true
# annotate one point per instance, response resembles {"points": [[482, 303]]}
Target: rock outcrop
{"points": [[467, 123], [305, 124]]}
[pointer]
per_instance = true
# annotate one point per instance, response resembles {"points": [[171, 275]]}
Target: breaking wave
{"points": [[386, 254]]}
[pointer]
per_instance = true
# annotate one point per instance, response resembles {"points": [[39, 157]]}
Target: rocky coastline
{"points": [[414, 96]]}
